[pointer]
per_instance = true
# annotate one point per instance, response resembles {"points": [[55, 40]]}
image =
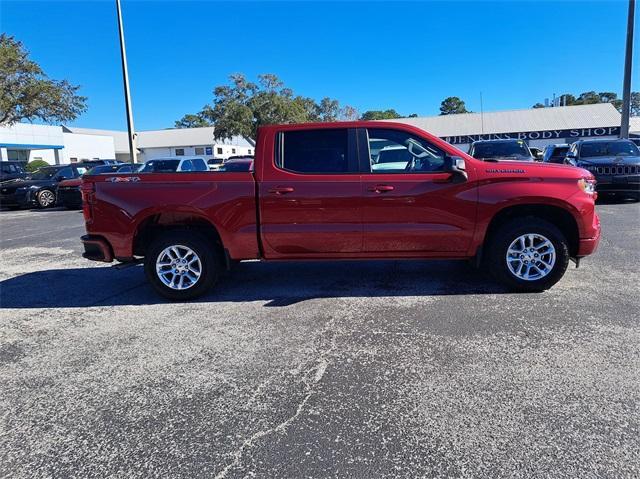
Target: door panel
{"points": [[417, 208], [421, 214], [312, 212], [318, 216]]}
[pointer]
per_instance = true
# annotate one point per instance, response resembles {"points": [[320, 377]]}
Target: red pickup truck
{"points": [[352, 190]]}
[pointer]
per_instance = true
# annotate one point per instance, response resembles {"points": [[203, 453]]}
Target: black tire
{"points": [[203, 248], [46, 198], [500, 241]]}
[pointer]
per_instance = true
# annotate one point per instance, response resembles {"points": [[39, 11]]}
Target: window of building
{"points": [[395, 151], [18, 155], [73, 160], [179, 151], [233, 151], [199, 150], [314, 151], [219, 151], [249, 151]]}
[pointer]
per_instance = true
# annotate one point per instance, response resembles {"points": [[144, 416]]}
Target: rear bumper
{"points": [[96, 249], [70, 197]]}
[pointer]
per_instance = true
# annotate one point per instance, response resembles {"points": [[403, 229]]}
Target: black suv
{"points": [[10, 170], [614, 163], [39, 188], [498, 150]]}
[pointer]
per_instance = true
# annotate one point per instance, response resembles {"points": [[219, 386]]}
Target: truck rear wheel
{"points": [[528, 254], [181, 265]]}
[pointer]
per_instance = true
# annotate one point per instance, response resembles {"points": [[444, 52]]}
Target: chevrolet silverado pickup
{"points": [[318, 191]]}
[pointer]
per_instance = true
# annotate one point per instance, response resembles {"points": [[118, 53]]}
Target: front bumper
{"points": [[21, 198], [618, 183], [587, 246], [96, 249]]}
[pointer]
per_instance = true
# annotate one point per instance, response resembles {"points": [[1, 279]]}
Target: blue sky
{"points": [[371, 55]]}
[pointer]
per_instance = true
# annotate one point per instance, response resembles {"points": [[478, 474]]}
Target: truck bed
{"points": [[123, 203]]}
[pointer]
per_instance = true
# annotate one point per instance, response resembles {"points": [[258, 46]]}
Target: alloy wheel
{"points": [[178, 267], [531, 257], [46, 198]]}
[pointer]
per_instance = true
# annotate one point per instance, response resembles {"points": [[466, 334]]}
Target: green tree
{"points": [[380, 115], [241, 107], [191, 121], [28, 93], [452, 105], [567, 99], [635, 103], [588, 98]]}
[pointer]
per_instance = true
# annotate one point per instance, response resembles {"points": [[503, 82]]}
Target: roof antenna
{"points": [[481, 116]]}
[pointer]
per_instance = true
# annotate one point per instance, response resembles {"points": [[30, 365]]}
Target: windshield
{"points": [[44, 173], [160, 166], [11, 168], [507, 149], [609, 148]]}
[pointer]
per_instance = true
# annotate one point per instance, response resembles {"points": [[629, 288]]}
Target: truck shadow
{"points": [[276, 284]]}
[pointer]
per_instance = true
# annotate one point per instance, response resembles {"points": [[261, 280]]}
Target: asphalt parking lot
{"points": [[376, 369]]}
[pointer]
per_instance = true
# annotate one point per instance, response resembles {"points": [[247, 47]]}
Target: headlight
{"points": [[587, 185]]}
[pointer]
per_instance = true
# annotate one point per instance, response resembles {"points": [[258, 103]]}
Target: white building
{"points": [[62, 144], [537, 126], [173, 142], [27, 142]]}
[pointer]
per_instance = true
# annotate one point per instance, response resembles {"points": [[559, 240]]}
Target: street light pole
{"points": [[127, 95], [626, 87]]}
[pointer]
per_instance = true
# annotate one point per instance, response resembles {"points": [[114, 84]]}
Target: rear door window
{"points": [[322, 151]]}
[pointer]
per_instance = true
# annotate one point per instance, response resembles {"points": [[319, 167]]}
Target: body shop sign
{"points": [[536, 135]]}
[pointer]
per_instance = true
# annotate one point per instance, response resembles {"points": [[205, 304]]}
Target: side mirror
{"points": [[571, 155], [457, 167], [538, 156]]}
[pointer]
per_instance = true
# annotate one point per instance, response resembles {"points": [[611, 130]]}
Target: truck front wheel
{"points": [[181, 265], [528, 254]]}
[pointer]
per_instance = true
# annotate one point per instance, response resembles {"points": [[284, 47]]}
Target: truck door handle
{"points": [[380, 188], [281, 190]]}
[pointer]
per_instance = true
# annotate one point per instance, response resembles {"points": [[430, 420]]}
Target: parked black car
{"points": [[498, 150], [557, 154], [10, 170], [39, 188], [614, 163]]}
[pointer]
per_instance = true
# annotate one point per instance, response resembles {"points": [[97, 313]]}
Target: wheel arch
{"points": [[157, 223], [560, 217]]}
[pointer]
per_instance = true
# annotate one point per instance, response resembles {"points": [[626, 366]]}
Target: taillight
{"points": [[88, 191]]}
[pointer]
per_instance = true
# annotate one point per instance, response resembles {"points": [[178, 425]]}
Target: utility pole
{"points": [[481, 115], [127, 95], [626, 87]]}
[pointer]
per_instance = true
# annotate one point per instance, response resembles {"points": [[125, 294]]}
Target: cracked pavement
{"points": [[340, 369]]}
